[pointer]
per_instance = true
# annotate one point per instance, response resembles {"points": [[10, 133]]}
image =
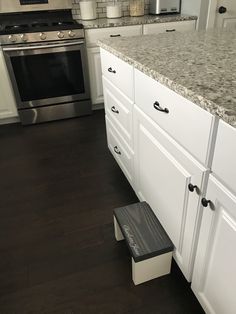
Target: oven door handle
{"points": [[74, 43]]}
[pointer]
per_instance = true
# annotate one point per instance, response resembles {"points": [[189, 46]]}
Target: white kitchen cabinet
{"points": [[168, 109], [95, 74], [118, 72], [157, 28], [120, 150], [214, 276], [93, 35], [224, 161], [119, 110], [94, 59], [7, 100], [163, 171]]}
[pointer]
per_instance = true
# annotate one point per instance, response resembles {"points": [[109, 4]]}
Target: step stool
{"points": [[150, 247]]}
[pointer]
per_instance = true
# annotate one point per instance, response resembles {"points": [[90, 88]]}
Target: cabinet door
{"points": [[163, 172], [214, 277], [7, 100], [95, 74]]}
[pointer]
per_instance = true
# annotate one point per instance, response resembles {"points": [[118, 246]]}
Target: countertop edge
{"points": [[190, 95], [131, 21]]}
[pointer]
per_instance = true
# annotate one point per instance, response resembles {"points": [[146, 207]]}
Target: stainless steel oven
{"points": [[49, 79]]}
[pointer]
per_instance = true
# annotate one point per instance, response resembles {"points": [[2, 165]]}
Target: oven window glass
{"points": [[49, 75]]}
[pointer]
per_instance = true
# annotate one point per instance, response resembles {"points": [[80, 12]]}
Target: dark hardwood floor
{"points": [[58, 186]]}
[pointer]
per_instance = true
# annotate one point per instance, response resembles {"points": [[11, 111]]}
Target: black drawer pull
{"points": [[170, 30], [116, 150], [111, 71], [192, 187], [118, 35], [157, 106], [206, 202], [113, 109]]}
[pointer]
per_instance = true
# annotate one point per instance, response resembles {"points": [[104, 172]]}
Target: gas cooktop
{"points": [[32, 27]]}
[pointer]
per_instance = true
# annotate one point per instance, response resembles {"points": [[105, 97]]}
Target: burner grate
{"points": [[16, 27], [39, 24], [63, 23]]}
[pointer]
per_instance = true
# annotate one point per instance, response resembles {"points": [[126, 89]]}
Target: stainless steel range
{"points": [[46, 59]]}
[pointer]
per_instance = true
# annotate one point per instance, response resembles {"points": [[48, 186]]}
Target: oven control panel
{"points": [[42, 36]]}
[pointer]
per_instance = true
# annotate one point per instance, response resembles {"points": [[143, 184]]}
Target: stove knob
{"points": [[43, 36], [71, 34], [60, 35], [12, 38], [24, 37]]}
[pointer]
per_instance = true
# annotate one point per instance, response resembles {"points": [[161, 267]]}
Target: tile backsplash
{"points": [[101, 8]]}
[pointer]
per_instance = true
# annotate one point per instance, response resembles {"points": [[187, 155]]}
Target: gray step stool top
{"points": [[142, 231]]}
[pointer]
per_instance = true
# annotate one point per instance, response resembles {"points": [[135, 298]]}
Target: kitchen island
{"points": [[200, 66], [170, 103]]}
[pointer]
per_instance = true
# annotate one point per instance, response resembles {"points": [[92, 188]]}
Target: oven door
{"points": [[47, 74]]}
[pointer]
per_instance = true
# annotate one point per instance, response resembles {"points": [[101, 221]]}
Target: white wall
{"points": [[199, 8]]}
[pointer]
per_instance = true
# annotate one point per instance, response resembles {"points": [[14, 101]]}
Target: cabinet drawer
{"points": [[183, 26], [224, 159], [119, 109], [93, 35], [118, 72], [120, 151], [182, 119]]}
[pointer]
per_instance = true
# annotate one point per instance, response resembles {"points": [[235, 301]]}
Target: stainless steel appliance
{"points": [[46, 59], [164, 6]]}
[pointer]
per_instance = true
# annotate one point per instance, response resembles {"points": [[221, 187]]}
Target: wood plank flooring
{"points": [[58, 186]]}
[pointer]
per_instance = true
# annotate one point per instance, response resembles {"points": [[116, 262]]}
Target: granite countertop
{"points": [[146, 19], [200, 66]]}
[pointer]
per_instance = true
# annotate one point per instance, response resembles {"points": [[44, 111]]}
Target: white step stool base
{"points": [[148, 269], [151, 268]]}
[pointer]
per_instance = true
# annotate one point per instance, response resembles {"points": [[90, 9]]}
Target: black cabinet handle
{"points": [[116, 150], [206, 202], [170, 30], [118, 35], [192, 187], [157, 106], [222, 10], [113, 109], [111, 71]]}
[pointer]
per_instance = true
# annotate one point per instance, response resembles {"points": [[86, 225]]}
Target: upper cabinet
{"points": [[7, 100], [214, 277]]}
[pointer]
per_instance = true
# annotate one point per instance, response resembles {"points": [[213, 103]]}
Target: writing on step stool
{"points": [[131, 241]]}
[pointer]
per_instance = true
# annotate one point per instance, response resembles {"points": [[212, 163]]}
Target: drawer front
{"points": [[224, 159], [118, 72], [120, 151], [180, 117], [183, 26], [93, 35], [119, 110]]}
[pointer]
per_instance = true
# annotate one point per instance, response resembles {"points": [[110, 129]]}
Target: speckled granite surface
{"points": [[125, 21], [201, 66]]}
